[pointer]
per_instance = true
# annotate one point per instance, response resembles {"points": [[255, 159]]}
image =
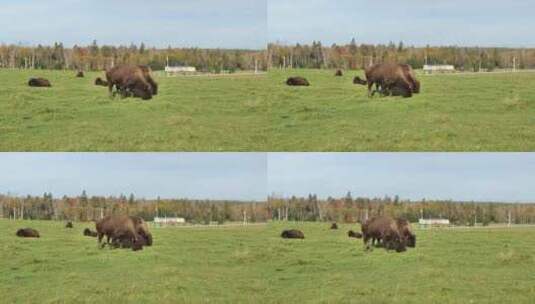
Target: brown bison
{"points": [[100, 82], [390, 79], [118, 226], [292, 234], [39, 82], [89, 232], [297, 81], [353, 234], [28, 232], [125, 242], [142, 230], [385, 229], [339, 73], [406, 232], [80, 74], [69, 225], [334, 226], [147, 74], [131, 80]]}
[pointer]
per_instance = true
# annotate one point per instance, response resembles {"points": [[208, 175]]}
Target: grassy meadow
{"points": [[254, 265], [460, 112], [226, 113]]}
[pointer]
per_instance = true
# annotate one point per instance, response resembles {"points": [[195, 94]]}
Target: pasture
{"points": [[460, 112], [254, 265], [226, 113]]}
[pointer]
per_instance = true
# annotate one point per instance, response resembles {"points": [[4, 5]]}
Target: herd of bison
{"points": [[132, 232], [128, 80], [390, 79]]}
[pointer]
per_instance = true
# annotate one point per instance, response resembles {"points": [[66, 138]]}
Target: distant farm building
{"points": [[169, 221], [430, 69], [433, 222], [175, 70]]}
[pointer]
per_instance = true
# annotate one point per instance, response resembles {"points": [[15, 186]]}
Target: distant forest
{"points": [[359, 56], [349, 209], [346, 209], [97, 58]]}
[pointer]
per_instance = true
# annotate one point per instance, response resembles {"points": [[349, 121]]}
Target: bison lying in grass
{"points": [[297, 81], [80, 74], [100, 82], [292, 234], [28, 232], [89, 232], [394, 234], [68, 225], [132, 80], [39, 82], [334, 226], [353, 234], [339, 73]]}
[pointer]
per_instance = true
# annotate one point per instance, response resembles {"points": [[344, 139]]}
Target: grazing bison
{"points": [[339, 73], [118, 226], [388, 78], [334, 226], [100, 82], [297, 81], [130, 81], [89, 232], [353, 234], [80, 74], [69, 225], [39, 82], [406, 232], [142, 230], [292, 234], [28, 232], [385, 229], [125, 242], [146, 73]]}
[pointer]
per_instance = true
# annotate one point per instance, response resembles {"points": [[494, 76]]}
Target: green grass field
{"points": [[190, 114], [485, 112], [254, 265]]}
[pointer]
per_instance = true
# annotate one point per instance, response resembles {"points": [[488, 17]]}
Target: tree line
{"points": [[359, 56], [346, 209], [96, 58], [89, 208], [350, 210]]}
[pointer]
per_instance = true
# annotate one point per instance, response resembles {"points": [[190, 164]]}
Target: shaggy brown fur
{"points": [[69, 225], [339, 73], [334, 226], [406, 232], [28, 232], [385, 229], [297, 81], [80, 74], [142, 230], [353, 234], [117, 226], [89, 232], [39, 82], [129, 81], [100, 82], [147, 74], [292, 234], [386, 76], [125, 242]]}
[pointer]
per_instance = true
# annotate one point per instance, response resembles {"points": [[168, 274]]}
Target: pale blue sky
{"points": [[239, 176], [179, 23], [416, 22], [459, 176]]}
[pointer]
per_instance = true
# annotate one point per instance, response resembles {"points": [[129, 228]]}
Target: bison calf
{"points": [[89, 232], [126, 242], [334, 226], [353, 234], [80, 74], [39, 82], [339, 73], [28, 232], [292, 234], [297, 81], [69, 225]]}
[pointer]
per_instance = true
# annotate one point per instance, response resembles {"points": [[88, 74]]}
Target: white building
{"points": [[169, 221], [430, 69], [433, 222], [172, 70]]}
